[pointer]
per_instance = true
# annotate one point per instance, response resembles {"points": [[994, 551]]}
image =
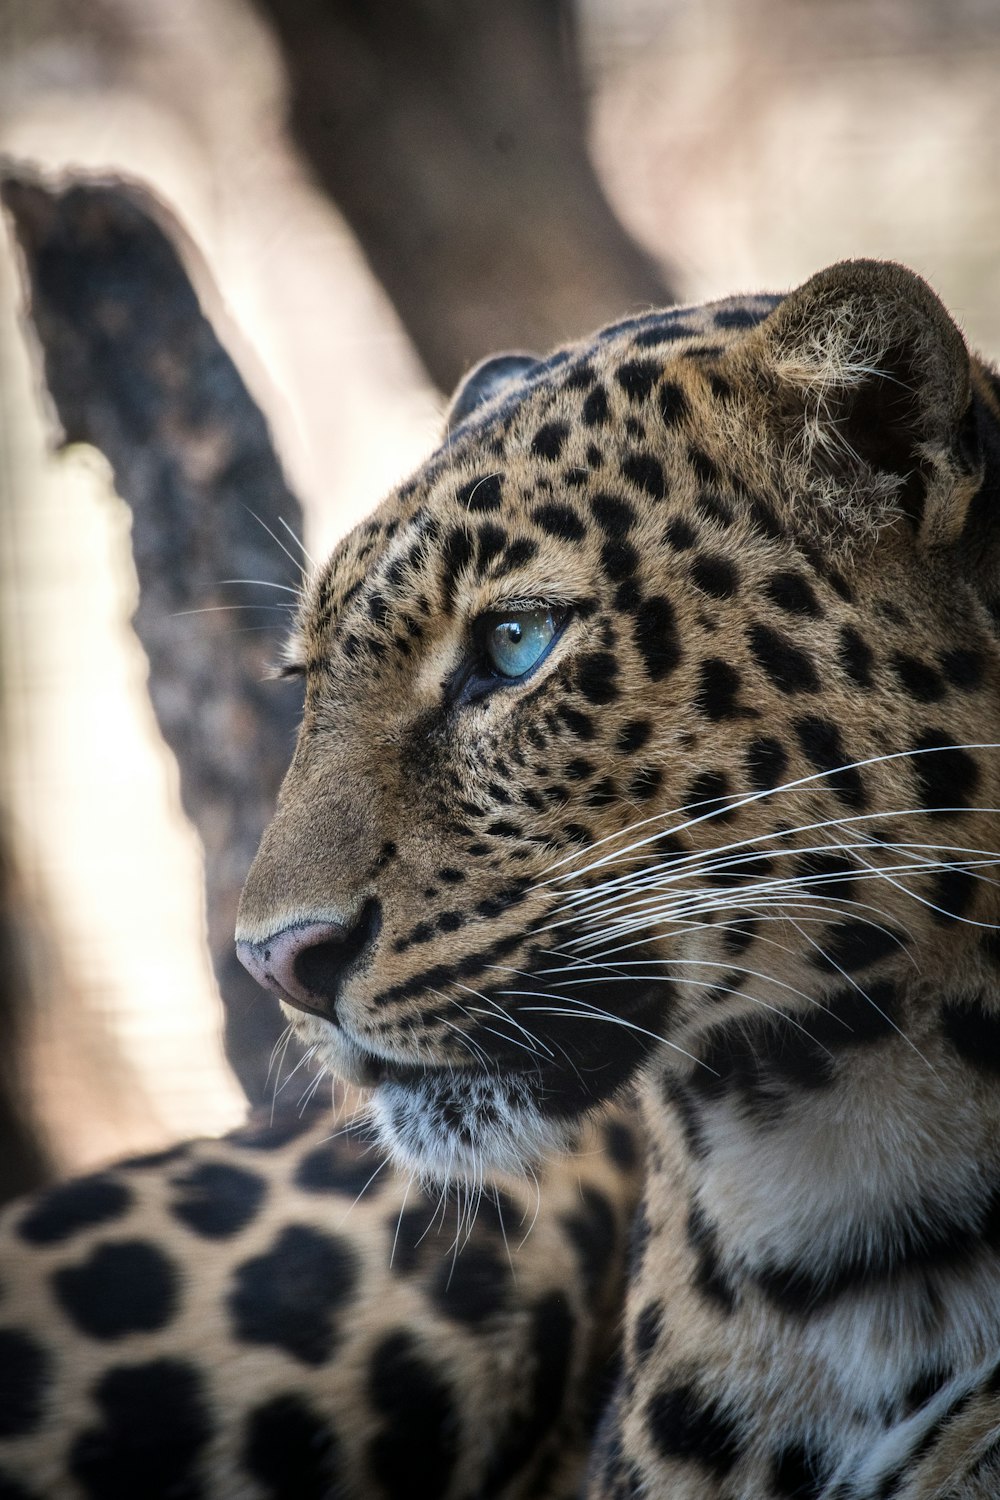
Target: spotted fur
{"points": [[282, 1316], [730, 842]]}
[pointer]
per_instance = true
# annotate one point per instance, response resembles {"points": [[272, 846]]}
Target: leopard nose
{"points": [[307, 962]]}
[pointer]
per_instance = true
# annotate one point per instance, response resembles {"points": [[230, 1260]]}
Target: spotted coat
{"points": [[649, 743], [281, 1315]]}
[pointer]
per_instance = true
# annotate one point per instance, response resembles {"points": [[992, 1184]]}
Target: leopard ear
{"points": [[868, 382], [486, 380]]}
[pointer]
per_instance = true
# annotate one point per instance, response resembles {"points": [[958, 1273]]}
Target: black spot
{"points": [[708, 797], [715, 575], [707, 472], [579, 377], [621, 1145], [559, 521], [680, 534], [655, 633], [615, 516], [409, 1232], [24, 1376], [419, 1434], [549, 440], [551, 1354], [684, 1425], [155, 1424], [973, 1029], [577, 722], [596, 676], [646, 473], [595, 408], [830, 875], [482, 492], [765, 763], [456, 554], [501, 828], [854, 945], [628, 597], [764, 519], [633, 736], [719, 386], [343, 1167], [65, 1210], [474, 1286], [591, 1230], [797, 1473], [789, 669], [673, 403], [951, 893], [620, 560], [645, 784], [490, 542], [821, 745], [288, 1298], [737, 317], [127, 1286], [216, 1200], [517, 554], [855, 656], [920, 680], [648, 1327], [660, 333], [792, 592], [758, 1064], [291, 1451], [946, 777], [709, 1278], [718, 686], [637, 378], [963, 669]]}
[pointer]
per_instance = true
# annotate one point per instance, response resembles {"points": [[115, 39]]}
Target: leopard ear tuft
{"points": [[869, 382], [485, 381]]}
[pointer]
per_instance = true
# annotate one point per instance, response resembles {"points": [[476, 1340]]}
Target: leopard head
{"points": [[655, 697]]}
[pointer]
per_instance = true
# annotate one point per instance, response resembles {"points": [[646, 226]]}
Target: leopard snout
{"points": [[306, 963]]}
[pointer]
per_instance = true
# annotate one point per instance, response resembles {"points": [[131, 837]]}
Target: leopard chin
{"points": [[445, 1124]]}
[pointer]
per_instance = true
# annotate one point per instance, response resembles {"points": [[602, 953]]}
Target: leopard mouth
{"points": [[512, 1106]]}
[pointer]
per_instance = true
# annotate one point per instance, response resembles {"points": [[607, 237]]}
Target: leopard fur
{"points": [[727, 841], [280, 1315]]}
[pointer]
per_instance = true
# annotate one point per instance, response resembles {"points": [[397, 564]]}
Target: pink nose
{"points": [[306, 963]]}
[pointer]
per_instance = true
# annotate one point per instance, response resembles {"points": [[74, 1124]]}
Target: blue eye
{"points": [[516, 640]]}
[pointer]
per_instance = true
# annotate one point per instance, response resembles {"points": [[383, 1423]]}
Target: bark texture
{"points": [[451, 134], [135, 369]]}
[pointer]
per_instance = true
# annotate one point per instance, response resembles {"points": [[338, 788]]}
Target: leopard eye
{"points": [[516, 640]]}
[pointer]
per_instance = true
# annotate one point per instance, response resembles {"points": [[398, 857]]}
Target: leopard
{"points": [[646, 773]]}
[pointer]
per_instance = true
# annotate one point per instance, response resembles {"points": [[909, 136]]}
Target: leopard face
{"points": [[618, 712]]}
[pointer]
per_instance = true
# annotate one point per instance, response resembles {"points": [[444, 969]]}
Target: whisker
{"points": [[298, 541], [276, 539], [732, 805]]}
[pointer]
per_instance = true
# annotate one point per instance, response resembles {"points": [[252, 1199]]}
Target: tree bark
{"points": [[451, 135], [134, 368]]}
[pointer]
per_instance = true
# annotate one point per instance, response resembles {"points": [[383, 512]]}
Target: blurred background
{"points": [[370, 198]]}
